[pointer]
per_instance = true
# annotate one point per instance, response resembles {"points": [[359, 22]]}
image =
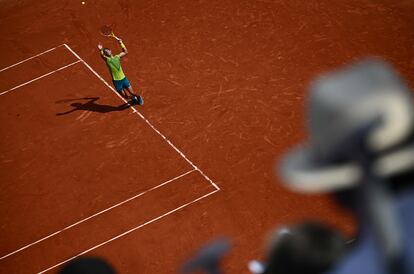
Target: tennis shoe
{"points": [[140, 101]]}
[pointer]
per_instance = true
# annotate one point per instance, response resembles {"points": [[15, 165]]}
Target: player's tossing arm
{"points": [[123, 48], [100, 48]]}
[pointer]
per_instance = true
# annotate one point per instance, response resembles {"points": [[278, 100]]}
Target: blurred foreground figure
{"points": [[361, 149], [208, 258], [307, 248], [87, 265]]}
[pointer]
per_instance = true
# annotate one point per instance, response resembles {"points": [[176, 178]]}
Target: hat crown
{"points": [[343, 102]]}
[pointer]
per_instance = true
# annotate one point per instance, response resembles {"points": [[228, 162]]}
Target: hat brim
{"points": [[300, 172], [395, 162]]}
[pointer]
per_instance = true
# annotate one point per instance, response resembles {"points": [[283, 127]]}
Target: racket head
{"points": [[106, 30]]}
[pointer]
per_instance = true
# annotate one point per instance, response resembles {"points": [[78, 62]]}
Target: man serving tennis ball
{"points": [[119, 79]]}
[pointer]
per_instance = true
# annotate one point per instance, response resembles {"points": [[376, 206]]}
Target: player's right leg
{"points": [[135, 98]]}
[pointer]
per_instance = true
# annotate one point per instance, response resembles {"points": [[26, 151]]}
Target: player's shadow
{"points": [[89, 103]]}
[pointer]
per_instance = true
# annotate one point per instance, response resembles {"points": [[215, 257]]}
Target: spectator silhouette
{"points": [[306, 248], [361, 125], [87, 265]]}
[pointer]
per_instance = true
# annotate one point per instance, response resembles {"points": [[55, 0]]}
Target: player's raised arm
{"points": [[123, 48], [101, 51]]}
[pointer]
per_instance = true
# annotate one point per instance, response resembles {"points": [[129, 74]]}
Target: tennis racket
{"points": [[107, 31]]}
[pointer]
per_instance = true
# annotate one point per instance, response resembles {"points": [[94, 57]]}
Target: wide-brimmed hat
{"points": [[366, 99]]}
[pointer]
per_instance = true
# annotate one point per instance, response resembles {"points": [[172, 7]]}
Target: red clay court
{"points": [[224, 84]]}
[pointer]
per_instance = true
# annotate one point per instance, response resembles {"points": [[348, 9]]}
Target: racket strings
{"points": [[106, 30]]}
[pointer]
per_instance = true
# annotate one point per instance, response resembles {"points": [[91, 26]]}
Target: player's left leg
{"points": [[123, 93]]}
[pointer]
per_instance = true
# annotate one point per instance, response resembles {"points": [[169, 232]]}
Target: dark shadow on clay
{"points": [[90, 105]]}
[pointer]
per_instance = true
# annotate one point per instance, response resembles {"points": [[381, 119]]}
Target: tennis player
{"points": [[119, 79]]}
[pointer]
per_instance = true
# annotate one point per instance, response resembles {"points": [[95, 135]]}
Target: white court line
{"points": [[27, 59], [40, 77], [143, 118], [94, 215], [129, 231]]}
